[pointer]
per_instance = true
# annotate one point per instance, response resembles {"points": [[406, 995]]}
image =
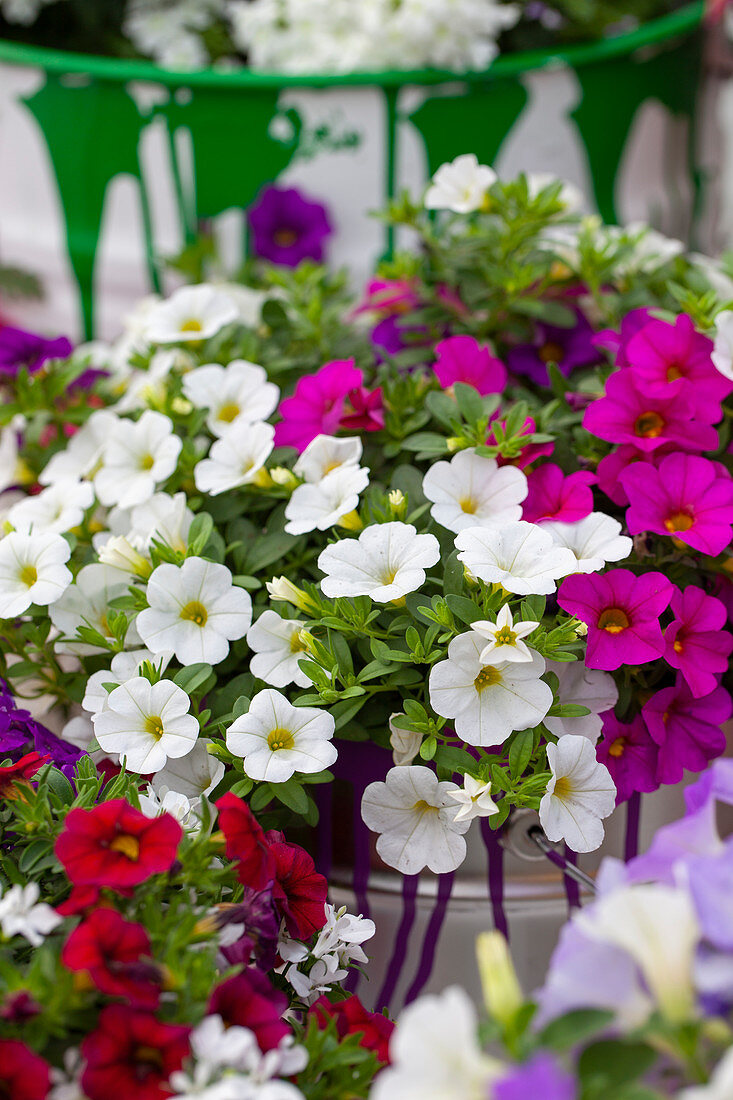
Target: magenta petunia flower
{"points": [[688, 497], [317, 405], [620, 458], [675, 358], [647, 421], [19, 349], [528, 454], [687, 730], [630, 755], [288, 228], [697, 642], [463, 359], [568, 348], [553, 496], [621, 612], [365, 410], [617, 342], [389, 296]]}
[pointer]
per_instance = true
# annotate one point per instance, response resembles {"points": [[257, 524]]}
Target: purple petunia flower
{"points": [[19, 349], [568, 348], [687, 730], [288, 228], [21, 733], [697, 642], [540, 1076], [711, 886], [630, 755], [687, 496], [256, 919], [622, 614]]}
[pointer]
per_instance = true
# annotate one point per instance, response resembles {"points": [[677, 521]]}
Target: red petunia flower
{"points": [[23, 1074], [249, 1000], [113, 845], [131, 1055], [80, 900], [353, 1019], [110, 950], [300, 892], [20, 773], [246, 842]]}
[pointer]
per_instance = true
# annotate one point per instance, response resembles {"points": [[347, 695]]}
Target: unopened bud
{"points": [[280, 588], [351, 521], [118, 553], [397, 503], [181, 406], [502, 993], [283, 477]]}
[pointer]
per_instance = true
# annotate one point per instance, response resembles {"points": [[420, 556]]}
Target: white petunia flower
{"points": [[191, 313], [474, 491], [32, 571], [488, 702], [720, 1085], [580, 793], [87, 603], [8, 458], [327, 453], [164, 518], [125, 666], [276, 739], [148, 388], [320, 506], [83, 453], [594, 540], [588, 687], [146, 723], [138, 456], [195, 610], [277, 649], [194, 775], [415, 817], [387, 561], [474, 800], [435, 1053], [570, 195], [235, 459], [520, 556], [119, 553], [722, 355], [154, 803], [56, 509], [21, 914], [460, 185], [405, 743], [657, 926], [236, 394], [504, 638]]}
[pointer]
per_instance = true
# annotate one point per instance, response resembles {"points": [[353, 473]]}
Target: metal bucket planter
{"points": [[109, 165], [427, 924]]}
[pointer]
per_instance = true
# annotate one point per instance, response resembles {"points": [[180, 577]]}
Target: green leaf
{"points": [[572, 1028], [192, 677], [292, 795], [464, 609], [612, 1063], [520, 752], [199, 533], [469, 401]]}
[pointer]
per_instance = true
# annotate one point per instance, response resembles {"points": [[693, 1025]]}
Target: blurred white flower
{"points": [[21, 914], [235, 459], [191, 313], [722, 355], [86, 602], [138, 456], [55, 509], [588, 687], [460, 186], [236, 394], [83, 452], [327, 453], [165, 518], [194, 775]]}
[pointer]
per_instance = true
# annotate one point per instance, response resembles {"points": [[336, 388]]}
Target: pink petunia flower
{"points": [[669, 359], [647, 421], [687, 730], [364, 411], [697, 642], [553, 496], [630, 755], [389, 296], [620, 459], [688, 497], [621, 612], [617, 342], [463, 359], [317, 405]]}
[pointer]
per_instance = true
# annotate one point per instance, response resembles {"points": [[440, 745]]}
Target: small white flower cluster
{"points": [[21, 914], [314, 970], [170, 33], [227, 1064], [339, 36]]}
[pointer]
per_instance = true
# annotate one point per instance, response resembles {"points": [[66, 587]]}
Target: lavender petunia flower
{"points": [[19, 349], [541, 1076], [288, 228]]}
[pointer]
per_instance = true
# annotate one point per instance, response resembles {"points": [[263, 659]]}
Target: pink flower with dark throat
{"points": [[675, 358], [687, 730], [463, 359], [617, 342], [627, 414], [630, 755], [552, 495], [621, 612], [697, 642], [688, 497]]}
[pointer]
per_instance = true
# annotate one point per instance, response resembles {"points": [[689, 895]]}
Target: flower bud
{"points": [[283, 477], [502, 993], [118, 553], [280, 588]]}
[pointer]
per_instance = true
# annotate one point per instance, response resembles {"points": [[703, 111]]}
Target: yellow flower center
{"points": [[617, 748], [487, 677], [229, 412], [127, 846], [195, 612], [613, 620], [677, 646], [649, 425], [28, 575], [505, 636], [674, 372], [192, 325], [563, 787], [679, 521], [550, 353], [296, 645], [467, 505], [146, 462], [280, 739], [154, 726], [424, 807]]}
